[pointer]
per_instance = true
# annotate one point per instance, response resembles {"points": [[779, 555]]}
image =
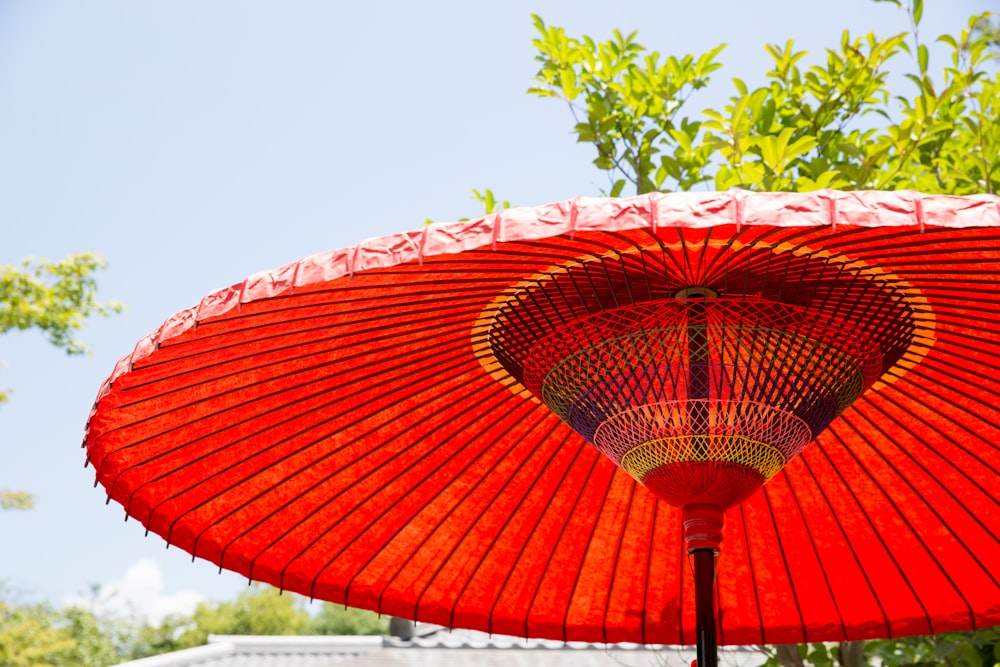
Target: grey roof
{"points": [[438, 649]]}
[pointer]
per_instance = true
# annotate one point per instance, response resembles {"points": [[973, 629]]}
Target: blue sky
{"points": [[194, 143]]}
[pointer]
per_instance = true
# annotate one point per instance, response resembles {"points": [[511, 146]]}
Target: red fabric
{"points": [[329, 429]]}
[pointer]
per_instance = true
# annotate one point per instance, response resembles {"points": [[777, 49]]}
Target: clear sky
{"points": [[193, 143]]}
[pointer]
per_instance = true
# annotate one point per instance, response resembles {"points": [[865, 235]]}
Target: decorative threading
{"points": [[702, 389], [641, 438], [646, 457]]}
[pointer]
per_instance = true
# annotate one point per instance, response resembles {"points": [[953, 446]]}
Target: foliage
{"points": [[335, 619], [55, 298], [489, 202], [29, 636], [260, 610], [830, 124], [39, 635], [956, 649], [989, 27], [15, 500]]}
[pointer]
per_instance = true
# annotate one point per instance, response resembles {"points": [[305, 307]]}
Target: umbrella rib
{"points": [[625, 276], [944, 488], [271, 488], [878, 535], [455, 328], [576, 287], [947, 369], [812, 543], [618, 550], [498, 440], [976, 343], [198, 480], [570, 306], [583, 555], [958, 424], [562, 529], [702, 264], [281, 391], [347, 489], [524, 544], [784, 561], [686, 267], [916, 534], [645, 271], [649, 562], [805, 458], [590, 280], [753, 574], [954, 441], [506, 522], [428, 315]]}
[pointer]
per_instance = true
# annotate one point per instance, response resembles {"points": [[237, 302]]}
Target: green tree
{"points": [[15, 500], [39, 635], [30, 637], [834, 123], [260, 610], [55, 298], [335, 619]]}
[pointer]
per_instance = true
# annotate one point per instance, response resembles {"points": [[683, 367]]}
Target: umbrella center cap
{"points": [[702, 392]]}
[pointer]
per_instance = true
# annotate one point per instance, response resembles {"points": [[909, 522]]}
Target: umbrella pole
{"points": [[703, 536], [702, 524], [704, 592]]}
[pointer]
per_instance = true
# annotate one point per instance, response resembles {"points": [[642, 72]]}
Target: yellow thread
{"points": [[647, 457]]}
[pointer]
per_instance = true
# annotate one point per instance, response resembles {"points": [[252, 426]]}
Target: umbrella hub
{"points": [[702, 394], [702, 401]]}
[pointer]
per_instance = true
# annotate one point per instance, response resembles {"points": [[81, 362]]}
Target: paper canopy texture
{"points": [[346, 428]]}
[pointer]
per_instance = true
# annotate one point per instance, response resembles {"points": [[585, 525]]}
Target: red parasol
{"points": [[406, 425]]}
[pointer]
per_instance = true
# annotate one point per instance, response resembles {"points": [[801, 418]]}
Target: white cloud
{"points": [[140, 594]]}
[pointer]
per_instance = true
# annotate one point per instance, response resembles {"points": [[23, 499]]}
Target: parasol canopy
{"points": [[527, 423]]}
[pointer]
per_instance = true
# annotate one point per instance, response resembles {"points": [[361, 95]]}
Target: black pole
{"points": [[702, 524], [704, 599]]}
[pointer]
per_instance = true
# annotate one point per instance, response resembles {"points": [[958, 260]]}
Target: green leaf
{"points": [[567, 80], [15, 500], [603, 162], [949, 40]]}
